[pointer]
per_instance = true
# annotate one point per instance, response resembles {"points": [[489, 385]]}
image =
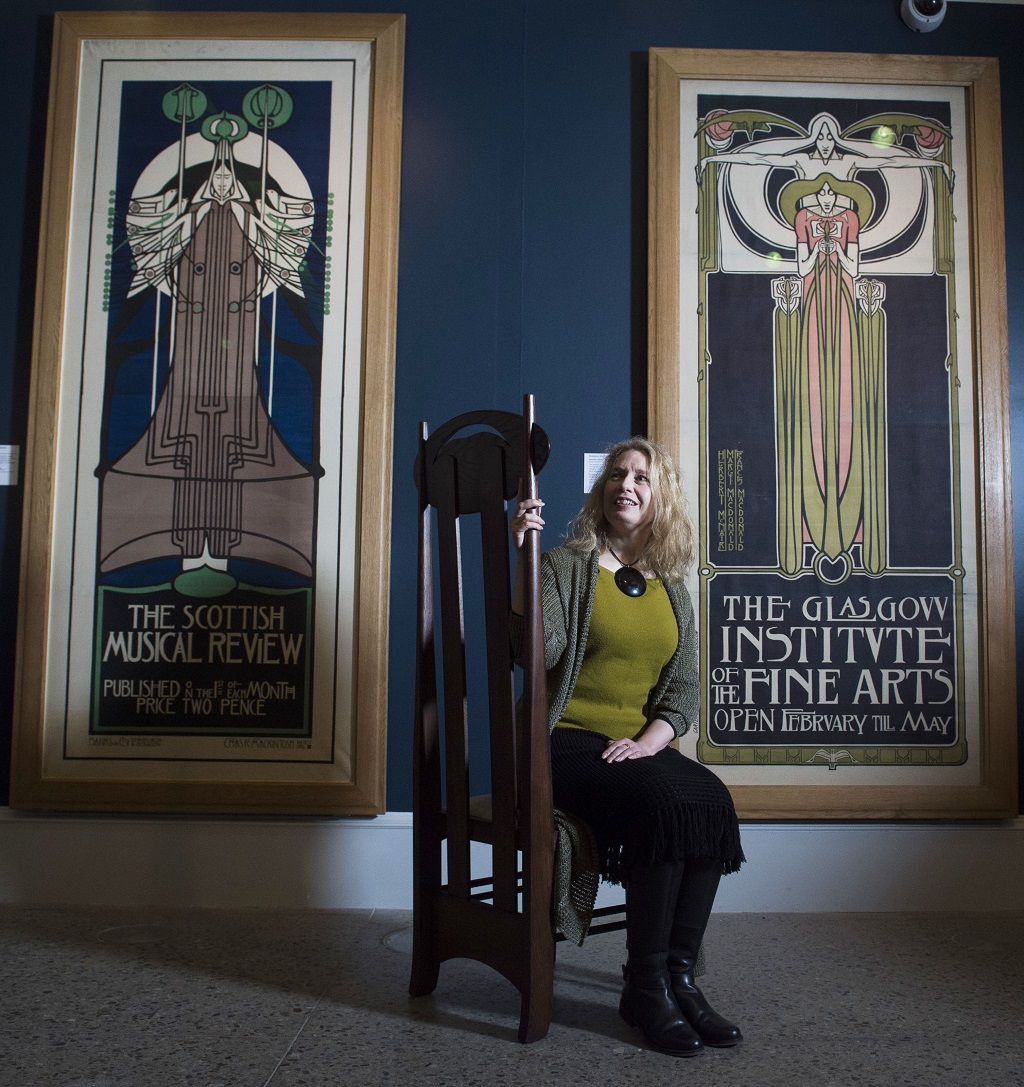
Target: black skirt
{"points": [[664, 807]]}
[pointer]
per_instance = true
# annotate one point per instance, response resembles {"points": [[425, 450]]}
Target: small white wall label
{"points": [[592, 465], [10, 459]]}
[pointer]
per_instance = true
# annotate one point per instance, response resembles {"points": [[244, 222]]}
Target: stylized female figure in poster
{"points": [[211, 478], [830, 337], [826, 152], [830, 405]]}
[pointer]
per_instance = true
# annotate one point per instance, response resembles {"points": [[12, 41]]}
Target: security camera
{"points": [[923, 15]]}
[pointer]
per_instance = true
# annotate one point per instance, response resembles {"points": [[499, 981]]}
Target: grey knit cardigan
{"points": [[568, 584]]}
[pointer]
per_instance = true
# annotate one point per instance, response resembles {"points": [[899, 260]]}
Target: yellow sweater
{"points": [[629, 642]]}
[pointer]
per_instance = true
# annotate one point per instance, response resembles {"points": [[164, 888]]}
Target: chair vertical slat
{"points": [[501, 690], [453, 661], [428, 831]]}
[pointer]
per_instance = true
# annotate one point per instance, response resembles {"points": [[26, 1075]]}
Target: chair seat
{"points": [[481, 818], [481, 808]]}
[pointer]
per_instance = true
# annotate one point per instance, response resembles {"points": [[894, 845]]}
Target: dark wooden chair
{"points": [[469, 468], [504, 918]]}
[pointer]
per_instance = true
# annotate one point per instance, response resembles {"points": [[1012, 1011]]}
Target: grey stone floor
{"points": [[103, 998]]}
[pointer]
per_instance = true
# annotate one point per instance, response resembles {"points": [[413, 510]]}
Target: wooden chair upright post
{"points": [[536, 805]]}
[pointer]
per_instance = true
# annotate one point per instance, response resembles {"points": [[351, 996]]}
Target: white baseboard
{"points": [[195, 862]]}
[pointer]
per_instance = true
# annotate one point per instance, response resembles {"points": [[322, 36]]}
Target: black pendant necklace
{"points": [[629, 581]]}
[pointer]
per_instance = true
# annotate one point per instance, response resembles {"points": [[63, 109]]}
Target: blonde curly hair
{"points": [[670, 548]]}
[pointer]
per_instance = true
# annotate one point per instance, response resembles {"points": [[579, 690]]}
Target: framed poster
{"points": [[203, 608], [828, 358]]}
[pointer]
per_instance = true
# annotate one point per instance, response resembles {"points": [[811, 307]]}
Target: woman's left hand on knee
{"points": [[620, 750]]}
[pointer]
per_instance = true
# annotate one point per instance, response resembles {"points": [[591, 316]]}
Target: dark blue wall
{"points": [[523, 233]]}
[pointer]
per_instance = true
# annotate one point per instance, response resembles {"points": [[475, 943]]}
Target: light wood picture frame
{"points": [[828, 359], [203, 609]]}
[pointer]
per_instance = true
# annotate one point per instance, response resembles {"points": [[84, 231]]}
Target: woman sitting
{"points": [[621, 655]]}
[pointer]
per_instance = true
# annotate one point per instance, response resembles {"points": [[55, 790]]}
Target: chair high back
{"points": [[504, 918]]}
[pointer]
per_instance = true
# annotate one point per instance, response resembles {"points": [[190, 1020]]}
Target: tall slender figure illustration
{"points": [[211, 478]]}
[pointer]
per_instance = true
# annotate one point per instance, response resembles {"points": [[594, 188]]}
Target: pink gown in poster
{"points": [[827, 256]]}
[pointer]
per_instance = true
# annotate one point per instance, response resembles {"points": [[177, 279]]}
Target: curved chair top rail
{"points": [[473, 456]]}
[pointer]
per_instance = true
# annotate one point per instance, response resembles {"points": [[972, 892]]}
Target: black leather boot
{"points": [[648, 1005], [714, 1029]]}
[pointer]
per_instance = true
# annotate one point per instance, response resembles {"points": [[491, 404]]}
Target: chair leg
{"points": [[535, 1013], [425, 966], [425, 963], [538, 993]]}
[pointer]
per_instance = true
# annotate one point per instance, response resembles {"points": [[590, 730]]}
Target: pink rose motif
{"points": [[929, 140], [720, 134]]}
